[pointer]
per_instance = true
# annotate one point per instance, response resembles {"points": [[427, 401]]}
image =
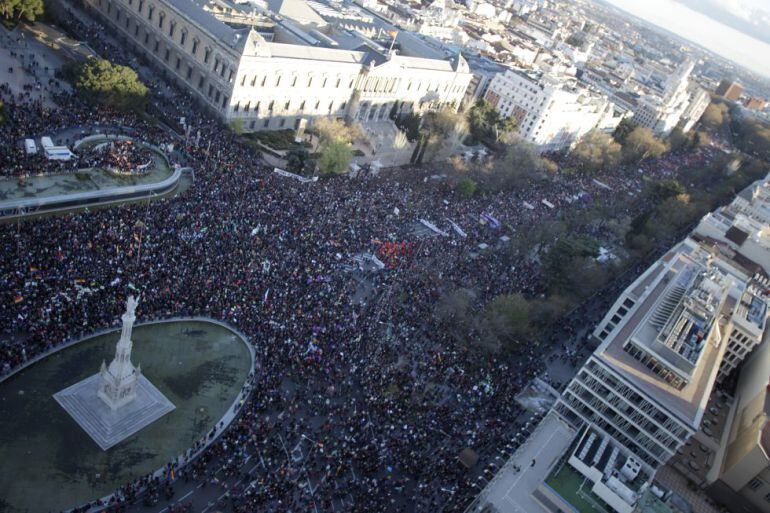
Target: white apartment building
{"points": [[302, 73], [681, 103], [551, 112]]}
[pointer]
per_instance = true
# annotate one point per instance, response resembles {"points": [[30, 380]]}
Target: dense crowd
{"points": [[353, 367], [124, 157]]}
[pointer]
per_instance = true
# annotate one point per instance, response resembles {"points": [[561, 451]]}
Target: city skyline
{"points": [[698, 27]]}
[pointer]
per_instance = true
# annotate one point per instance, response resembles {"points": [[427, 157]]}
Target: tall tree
{"points": [[641, 143], [334, 157], [21, 10], [102, 82], [596, 150]]}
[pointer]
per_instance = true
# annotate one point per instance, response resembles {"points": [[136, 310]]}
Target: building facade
{"points": [[551, 112], [240, 73], [729, 89]]}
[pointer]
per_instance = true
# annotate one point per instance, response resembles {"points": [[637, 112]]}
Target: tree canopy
{"points": [[486, 124], [641, 143], [596, 151], [336, 130], [21, 10], [101, 82], [335, 156]]}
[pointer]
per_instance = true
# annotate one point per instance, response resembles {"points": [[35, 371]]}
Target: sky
{"points": [[722, 26]]}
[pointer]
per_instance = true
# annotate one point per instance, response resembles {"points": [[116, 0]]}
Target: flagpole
{"points": [[395, 35]]}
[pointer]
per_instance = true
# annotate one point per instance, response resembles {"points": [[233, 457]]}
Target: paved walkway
{"points": [[510, 491]]}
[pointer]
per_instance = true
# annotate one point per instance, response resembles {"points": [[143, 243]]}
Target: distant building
{"points": [[680, 103], [756, 103], [729, 90], [697, 104], [552, 112]]}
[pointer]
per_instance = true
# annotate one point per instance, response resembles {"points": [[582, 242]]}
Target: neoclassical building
{"points": [[271, 71]]}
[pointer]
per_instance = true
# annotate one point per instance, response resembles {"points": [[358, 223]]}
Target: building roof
{"points": [[736, 235], [651, 292], [297, 10], [194, 11], [289, 51]]}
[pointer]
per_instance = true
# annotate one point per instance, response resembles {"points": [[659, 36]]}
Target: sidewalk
{"points": [[511, 491]]}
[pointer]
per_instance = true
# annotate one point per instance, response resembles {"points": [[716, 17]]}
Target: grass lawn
{"points": [[566, 482]]}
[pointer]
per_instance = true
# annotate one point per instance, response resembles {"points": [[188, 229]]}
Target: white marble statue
{"points": [[117, 386]]}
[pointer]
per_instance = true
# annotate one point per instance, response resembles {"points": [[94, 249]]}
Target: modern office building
{"points": [[274, 67], [552, 112], [648, 382], [729, 89]]}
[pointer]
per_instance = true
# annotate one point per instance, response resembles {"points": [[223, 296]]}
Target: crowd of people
{"points": [[123, 156], [352, 366]]}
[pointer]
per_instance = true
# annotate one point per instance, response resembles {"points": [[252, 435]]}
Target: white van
{"points": [[30, 147]]}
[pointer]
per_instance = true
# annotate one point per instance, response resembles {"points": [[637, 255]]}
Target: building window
{"points": [[225, 99], [161, 17], [286, 106], [139, 7], [270, 106], [302, 106], [136, 31], [235, 107], [150, 10], [283, 122], [251, 125], [294, 82], [217, 96], [278, 81], [183, 38], [267, 123], [317, 105], [264, 80], [755, 483], [247, 107], [331, 105], [206, 55], [171, 29], [338, 83], [195, 47], [189, 72], [352, 81], [211, 90], [310, 81], [243, 80], [168, 53], [178, 63], [323, 84], [256, 107], [201, 81]]}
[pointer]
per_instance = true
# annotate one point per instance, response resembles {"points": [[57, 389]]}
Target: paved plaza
{"points": [[511, 491]]}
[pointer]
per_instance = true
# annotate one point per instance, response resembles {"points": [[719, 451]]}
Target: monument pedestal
{"points": [[108, 427]]}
